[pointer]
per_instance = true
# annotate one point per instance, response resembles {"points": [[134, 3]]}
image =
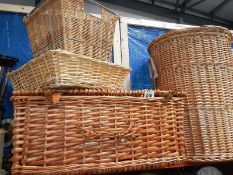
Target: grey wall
{"points": [[126, 12]]}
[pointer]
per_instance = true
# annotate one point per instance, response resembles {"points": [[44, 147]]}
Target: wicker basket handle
{"points": [[101, 6], [124, 132]]}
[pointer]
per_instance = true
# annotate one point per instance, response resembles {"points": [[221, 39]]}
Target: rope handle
{"points": [[124, 132]]}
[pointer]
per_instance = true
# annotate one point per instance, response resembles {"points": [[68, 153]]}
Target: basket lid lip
{"points": [[96, 92], [191, 31]]}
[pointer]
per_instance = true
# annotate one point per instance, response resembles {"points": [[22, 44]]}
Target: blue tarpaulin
{"points": [[13, 42], [139, 39]]}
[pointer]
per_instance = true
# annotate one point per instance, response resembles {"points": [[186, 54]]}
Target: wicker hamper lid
{"points": [[96, 92]]}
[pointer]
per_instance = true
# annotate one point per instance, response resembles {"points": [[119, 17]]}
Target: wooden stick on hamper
{"points": [[63, 24], [62, 69], [94, 131], [199, 62], [153, 71]]}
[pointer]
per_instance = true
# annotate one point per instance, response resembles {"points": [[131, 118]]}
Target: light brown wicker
{"points": [[199, 61], [63, 24], [62, 69], [212, 129], [94, 131], [205, 84], [193, 45]]}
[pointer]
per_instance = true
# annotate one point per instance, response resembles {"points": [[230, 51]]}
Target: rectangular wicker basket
{"points": [[96, 131], [62, 69], [63, 24]]}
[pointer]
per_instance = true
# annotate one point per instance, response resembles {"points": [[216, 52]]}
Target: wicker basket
{"points": [[93, 131], [199, 61], [62, 69], [63, 24]]}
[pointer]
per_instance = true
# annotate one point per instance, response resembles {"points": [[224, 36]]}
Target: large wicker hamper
{"points": [[96, 131], [199, 62], [63, 24]]}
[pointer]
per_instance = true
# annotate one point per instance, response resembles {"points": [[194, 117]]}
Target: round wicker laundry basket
{"points": [[199, 62]]}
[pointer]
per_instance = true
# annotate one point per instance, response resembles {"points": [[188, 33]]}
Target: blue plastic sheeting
{"points": [[139, 40], [13, 42]]}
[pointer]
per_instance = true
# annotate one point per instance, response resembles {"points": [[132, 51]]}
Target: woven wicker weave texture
{"points": [[59, 69], [212, 130], [199, 62], [63, 24], [106, 132]]}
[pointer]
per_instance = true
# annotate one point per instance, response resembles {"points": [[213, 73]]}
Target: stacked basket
{"points": [[60, 128], [71, 48], [199, 61]]}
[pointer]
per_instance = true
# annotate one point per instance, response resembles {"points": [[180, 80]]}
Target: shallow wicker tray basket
{"points": [[199, 62], [96, 131], [63, 24], [62, 69]]}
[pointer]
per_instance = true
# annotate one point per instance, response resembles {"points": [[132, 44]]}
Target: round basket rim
{"points": [[192, 32]]}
